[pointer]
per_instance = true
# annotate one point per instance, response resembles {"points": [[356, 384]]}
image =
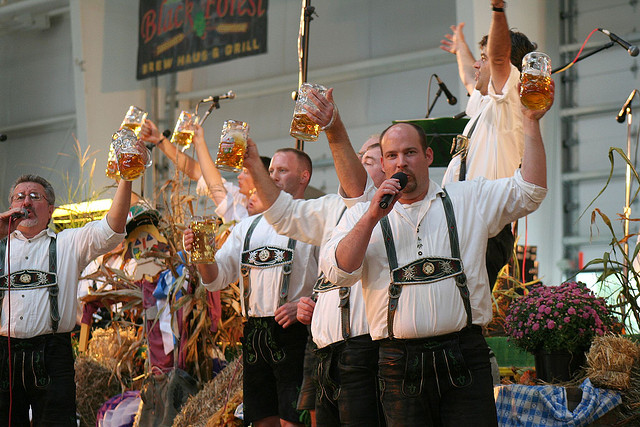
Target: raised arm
{"points": [[351, 173], [455, 43], [499, 47], [183, 162], [208, 168], [117, 215], [534, 163], [266, 189]]}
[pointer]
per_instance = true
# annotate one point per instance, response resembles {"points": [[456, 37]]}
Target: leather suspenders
{"points": [[33, 279], [265, 257], [433, 269]]}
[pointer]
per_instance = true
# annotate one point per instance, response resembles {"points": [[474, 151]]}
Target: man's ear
{"points": [[429, 156], [305, 177]]}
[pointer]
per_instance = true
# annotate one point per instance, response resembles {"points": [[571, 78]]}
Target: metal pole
{"points": [[303, 49]]}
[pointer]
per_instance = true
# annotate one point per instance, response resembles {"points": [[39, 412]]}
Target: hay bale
{"points": [[610, 360], [94, 386], [218, 397]]}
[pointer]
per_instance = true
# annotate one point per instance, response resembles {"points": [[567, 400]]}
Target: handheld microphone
{"points": [[229, 95], [633, 50], [450, 98], [623, 111], [387, 198], [24, 213]]}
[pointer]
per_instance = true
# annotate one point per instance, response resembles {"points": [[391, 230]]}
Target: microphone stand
{"points": [[585, 56], [627, 198], [429, 108], [215, 104], [303, 49]]}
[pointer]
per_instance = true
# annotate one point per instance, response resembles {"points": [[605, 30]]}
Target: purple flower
{"points": [[567, 319], [535, 327], [571, 310]]}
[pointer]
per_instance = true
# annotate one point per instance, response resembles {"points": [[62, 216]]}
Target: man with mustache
{"points": [[38, 300]]}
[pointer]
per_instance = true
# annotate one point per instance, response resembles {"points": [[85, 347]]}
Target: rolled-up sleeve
{"points": [[328, 262]]}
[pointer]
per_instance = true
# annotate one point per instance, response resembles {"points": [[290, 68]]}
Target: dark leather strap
{"points": [[286, 276], [344, 293], [463, 156], [244, 269], [461, 279], [394, 289]]}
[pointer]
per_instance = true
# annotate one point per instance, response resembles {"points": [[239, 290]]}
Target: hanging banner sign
{"points": [[178, 35]]}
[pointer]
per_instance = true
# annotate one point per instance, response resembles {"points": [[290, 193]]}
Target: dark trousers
{"points": [[272, 360], [499, 252], [42, 378], [439, 381], [348, 384]]}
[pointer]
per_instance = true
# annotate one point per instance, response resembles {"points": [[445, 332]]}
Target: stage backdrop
{"points": [[178, 35]]}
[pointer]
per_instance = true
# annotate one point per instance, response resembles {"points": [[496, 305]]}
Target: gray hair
{"points": [[49, 194]]}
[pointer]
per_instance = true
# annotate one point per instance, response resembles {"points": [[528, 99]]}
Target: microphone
{"points": [[450, 98], [386, 199], [623, 111], [229, 95], [3, 137], [633, 50], [22, 214]]}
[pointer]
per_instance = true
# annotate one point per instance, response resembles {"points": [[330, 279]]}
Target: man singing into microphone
{"points": [[434, 362], [38, 303]]}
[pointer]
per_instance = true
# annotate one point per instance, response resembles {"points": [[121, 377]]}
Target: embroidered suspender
{"points": [[33, 279], [434, 269], [265, 257]]}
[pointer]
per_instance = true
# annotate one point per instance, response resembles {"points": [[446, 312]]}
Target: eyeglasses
{"points": [[20, 197]]}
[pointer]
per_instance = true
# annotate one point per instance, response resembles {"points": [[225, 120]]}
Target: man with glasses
{"points": [[39, 273]]}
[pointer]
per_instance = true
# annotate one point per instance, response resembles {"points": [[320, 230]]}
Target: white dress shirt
{"points": [[265, 282], [497, 142], [76, 247], [234, 205], [482, 208], [312, 221]]}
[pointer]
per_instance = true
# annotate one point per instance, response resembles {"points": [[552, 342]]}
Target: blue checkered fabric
{"points": [[534, 406]]}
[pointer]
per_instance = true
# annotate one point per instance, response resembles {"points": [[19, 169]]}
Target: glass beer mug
{"points": [[134, 119], [302, 127], [182, 135], [132, 159], [233, 145], [204, 229], [535, 80], [112, 163]]}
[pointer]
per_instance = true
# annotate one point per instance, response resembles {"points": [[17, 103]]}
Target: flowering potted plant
{"points": [[558, 319]]}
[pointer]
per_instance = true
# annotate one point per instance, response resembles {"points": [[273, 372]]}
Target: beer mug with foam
{"points": [[233, 145], [132, 159], [134, 119], [302, 127], [535, 80]]}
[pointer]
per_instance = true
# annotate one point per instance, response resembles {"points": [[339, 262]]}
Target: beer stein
{"points": [[112, 163], [535, 80], [233, 144], [183, 132], [134, 119], [204, 230], [302, 127], [132, 159]]}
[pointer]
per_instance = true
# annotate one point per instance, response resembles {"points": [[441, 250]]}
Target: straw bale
{"points": [[220, 395], [95, 385], [610, 360]]}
